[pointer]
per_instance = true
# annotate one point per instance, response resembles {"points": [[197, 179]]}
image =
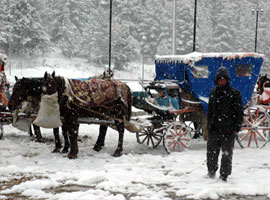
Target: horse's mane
{"points": [[27, 81], [32, 85]]}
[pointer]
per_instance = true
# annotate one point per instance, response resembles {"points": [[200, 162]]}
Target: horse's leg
{"points": [[65, 135], [57, 141], [73, 138], [30, 131], [38, 133], [121, 129], [101, 138], [197, 130]]}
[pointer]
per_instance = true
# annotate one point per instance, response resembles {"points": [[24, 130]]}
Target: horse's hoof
{"points": [[117, 154], [56, 150], [196, 136], [72, 156], [97, 148], [65, 150], [40, 140]]}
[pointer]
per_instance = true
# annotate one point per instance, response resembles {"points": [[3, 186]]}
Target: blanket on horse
{"points": [[97, 92]]}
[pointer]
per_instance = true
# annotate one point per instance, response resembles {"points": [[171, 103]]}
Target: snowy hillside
{"points": [[72, 68]]}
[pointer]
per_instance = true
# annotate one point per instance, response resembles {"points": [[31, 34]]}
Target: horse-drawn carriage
{"points": [[177, 100], [193, 75]]}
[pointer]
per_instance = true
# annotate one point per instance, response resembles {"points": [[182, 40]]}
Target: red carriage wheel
{"points": [[150, 136], [255, 128], [177, 137]]}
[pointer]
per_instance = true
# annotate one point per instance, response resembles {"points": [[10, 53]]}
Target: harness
{"points": [[66, 90]]}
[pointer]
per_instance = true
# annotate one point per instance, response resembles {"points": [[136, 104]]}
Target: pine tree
{"points": [[184, 30], [222, 34], [263, 33], [68, 25], [154, 24], [5, 27], [204, 33], [95, 40], [123, 48], [27, 33], [139, 27]]}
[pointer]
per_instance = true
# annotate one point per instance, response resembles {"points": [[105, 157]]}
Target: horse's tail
{"points": [[126, 98], [130, 99]]}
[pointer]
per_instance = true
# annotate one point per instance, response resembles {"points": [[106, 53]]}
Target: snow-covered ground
{"points": [[28, 170]]}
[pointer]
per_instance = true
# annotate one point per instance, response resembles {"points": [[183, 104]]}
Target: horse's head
{"points": [[23, 90], [51, 83], [19, 94], [262, 81], [107, 74]]}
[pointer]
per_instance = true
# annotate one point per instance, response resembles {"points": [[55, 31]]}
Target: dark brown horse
{"points": [[263, 81], [30, 89], [102, 99]]}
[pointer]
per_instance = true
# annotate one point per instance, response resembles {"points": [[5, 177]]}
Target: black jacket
{"points": [[225, 110]]}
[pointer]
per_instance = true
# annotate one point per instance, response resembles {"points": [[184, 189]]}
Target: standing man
{"points": [[224, 119]]}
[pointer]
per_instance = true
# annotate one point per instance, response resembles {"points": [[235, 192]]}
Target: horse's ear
{"points": [[16, 78], [45, 75]]}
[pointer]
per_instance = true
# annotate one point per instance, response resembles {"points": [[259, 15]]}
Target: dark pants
{"points": [[220, 141]]}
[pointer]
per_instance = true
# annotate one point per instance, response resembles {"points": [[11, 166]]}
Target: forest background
{"points": [[140, 28]]}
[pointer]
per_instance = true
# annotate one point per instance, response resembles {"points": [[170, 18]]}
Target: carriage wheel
{"points": [[255, 129], [150, 136], [177, 137], [1, 131]]}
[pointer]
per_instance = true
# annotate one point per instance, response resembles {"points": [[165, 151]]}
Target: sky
{"points": [[29, 170]]}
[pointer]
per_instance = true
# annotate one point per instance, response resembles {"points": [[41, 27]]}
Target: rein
{"points": [[100, 114], [127, 124]]}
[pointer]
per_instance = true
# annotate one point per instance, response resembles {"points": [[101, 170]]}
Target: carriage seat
{"points": [[265, 97], [164, 103]]}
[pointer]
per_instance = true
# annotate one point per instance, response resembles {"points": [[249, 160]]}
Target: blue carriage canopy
{"points": [[195, 72]]}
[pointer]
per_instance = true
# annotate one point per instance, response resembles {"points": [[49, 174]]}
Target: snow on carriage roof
{"points": [[197, 56]]}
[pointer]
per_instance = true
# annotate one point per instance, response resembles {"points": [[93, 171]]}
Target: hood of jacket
{"points": [[222, 72]]}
